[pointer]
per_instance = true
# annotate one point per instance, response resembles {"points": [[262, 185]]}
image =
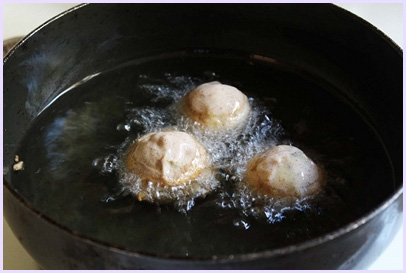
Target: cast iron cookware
{"points": [[321, 40]]}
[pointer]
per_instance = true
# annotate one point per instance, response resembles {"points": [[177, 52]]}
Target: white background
{"points": [[20, 19]]}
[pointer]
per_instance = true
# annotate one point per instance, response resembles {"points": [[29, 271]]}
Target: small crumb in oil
{"points": [[16, 158], [140, 196], [18, 166]]}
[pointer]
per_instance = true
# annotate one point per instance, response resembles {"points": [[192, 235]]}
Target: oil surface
{"points": [[74, 172]]}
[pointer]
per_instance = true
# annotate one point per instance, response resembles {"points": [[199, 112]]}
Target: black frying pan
{"points": [[323, 41]]}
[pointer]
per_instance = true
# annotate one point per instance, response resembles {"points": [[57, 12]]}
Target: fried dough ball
{"points": [[284, 171], [170, 157], [216, 106]]}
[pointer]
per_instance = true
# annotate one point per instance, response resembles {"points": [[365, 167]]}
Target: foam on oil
{"points": [[230, 151]]}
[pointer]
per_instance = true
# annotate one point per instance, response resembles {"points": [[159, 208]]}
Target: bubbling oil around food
{"points": [[229, 149]]}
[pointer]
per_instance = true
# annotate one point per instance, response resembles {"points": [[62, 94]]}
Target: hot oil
{"points": [[74, 151], [230, 150]]}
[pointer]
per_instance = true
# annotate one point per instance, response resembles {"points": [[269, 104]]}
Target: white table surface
{"points": [[20, 19]]}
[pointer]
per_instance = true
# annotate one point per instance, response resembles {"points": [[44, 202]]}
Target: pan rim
{"points": [[219, 258]]}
